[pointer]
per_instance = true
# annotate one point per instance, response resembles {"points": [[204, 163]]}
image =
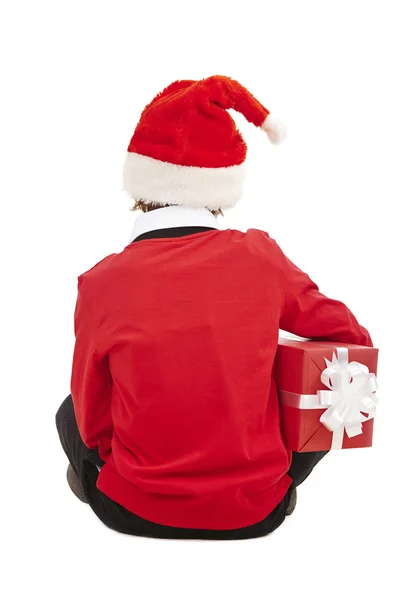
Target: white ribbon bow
{"points": [[351, 392]]}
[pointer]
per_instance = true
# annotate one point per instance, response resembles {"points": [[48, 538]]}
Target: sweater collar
{"points": [[172, 216]]}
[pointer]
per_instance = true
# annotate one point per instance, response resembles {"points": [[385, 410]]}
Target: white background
{"points": [[75, 77]]}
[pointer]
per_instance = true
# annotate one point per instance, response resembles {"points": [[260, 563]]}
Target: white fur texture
{"points": [[275, 129], [155, 181]]}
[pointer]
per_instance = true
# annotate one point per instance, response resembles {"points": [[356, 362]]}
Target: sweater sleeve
{"points": [[91, 381], [308, 313]]}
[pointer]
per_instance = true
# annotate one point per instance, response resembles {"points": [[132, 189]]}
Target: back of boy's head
{"points": [[186, 149]]}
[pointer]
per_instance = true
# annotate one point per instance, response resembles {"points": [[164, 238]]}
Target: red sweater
{"points": [[172, 373]]}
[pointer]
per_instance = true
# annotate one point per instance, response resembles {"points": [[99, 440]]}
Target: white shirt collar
{"points": [[172, 216]]}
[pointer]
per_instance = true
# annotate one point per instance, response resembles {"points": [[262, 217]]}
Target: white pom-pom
{"points": [[275, 129]]}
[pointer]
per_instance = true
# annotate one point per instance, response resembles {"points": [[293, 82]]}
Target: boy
{"points": [[172, 426]]}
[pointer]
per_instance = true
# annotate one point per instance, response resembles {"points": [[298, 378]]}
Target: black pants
{"points": [[115, 516]]}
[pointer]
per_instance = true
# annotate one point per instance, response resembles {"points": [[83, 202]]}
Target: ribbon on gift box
{"points": [[350, 399], [351, 396]]}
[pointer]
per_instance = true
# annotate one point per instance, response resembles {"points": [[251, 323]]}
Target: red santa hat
{"points": [[186, 148]]}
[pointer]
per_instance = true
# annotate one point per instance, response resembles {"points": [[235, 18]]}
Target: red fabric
{"points": [[188, 123], [173, 362], [298, 368]]}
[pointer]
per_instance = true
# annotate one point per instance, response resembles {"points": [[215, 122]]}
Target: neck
{"points": [[173, 216]]}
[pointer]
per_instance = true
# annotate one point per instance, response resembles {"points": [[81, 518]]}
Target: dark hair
{"points": [[148, 206]]}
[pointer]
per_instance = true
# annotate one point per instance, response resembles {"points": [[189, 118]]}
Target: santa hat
{"points": [[186, 148]]}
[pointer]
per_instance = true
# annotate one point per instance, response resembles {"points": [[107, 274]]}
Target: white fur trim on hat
{"points": [[157, 182], [275, 129]]}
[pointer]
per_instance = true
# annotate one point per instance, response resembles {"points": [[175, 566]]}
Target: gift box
{"points": [[327, 394]]}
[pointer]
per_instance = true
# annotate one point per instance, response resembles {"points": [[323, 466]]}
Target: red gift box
{"points": [[348, 392]]}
